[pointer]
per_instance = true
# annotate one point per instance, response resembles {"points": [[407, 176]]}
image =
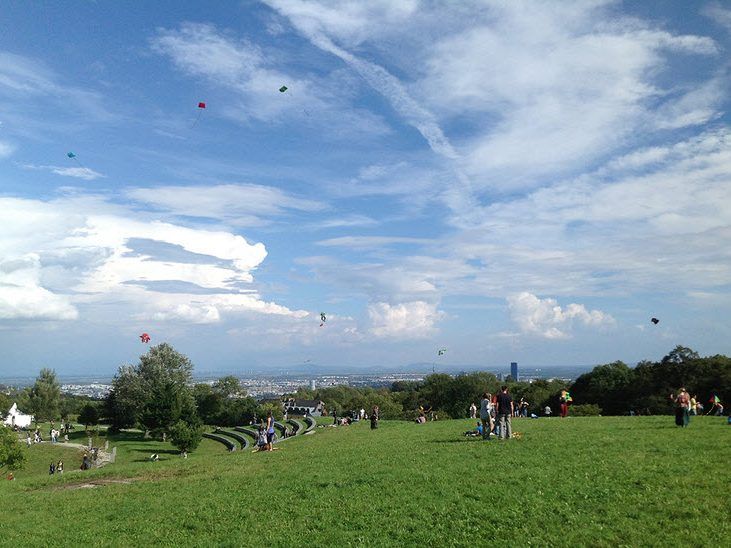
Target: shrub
{"points": [[585, 410]]}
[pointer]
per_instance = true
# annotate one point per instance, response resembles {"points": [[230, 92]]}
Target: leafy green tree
{"points": [[5, 404], [154, 393], [12, 456], [275, 408], [125, 399], [229, 387], [89, 415], [186, 437], [607, 386], [45, 396]]}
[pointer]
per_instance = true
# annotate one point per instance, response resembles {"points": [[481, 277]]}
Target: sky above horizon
{"points": [[511, 181]]}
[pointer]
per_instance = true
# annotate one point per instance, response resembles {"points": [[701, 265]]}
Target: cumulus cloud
{"points": [[411, 320], [545, 318], [93, 252], [23, 297]]}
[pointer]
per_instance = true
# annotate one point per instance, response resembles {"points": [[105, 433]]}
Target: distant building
{"points": [[16, 418], [312, 384], [314, 408], [514, 371]]}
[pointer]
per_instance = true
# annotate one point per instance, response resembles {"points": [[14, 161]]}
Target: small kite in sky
{"points": [[323, 319], [441, 351], [72, 156], [145, 338], [655, 321], [283, 89], [201, 108]]}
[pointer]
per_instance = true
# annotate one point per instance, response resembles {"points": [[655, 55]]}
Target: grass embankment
{"points": [[587, 481]]}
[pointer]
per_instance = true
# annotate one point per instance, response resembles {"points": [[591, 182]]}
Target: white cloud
{"points": [[90, 250], [253, 76], [77, 172], [411, 320], [545, 318], [242, 204], [717, 13], [354, 242], [22, 296]]}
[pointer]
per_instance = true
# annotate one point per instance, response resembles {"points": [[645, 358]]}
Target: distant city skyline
{"points": [[363, 183]]}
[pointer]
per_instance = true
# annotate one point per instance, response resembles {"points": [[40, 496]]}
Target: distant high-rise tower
{"points": [[514, 371], [312, 384]]}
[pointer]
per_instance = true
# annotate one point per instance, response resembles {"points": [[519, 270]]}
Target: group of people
{"points": [[266, 434], [496, 413], [56, 468], [687, 405]]}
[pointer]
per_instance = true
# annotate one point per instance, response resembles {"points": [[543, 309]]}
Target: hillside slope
{"points": [[598, 481]]}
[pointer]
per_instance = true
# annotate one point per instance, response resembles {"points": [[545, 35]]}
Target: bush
{"points": [[11, 452], [186, 437], [585, 410]]}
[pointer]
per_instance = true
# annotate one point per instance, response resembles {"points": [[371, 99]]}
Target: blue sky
{"points": [[512, 181]]}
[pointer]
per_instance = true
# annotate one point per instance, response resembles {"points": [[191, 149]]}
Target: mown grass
{"points": [[634, 481]]}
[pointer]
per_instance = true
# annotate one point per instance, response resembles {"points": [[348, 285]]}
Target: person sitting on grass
{"points": [[261, 440], [59, 467], [476, 432]]}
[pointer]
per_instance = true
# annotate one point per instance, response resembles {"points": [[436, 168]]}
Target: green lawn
{"points": [[627, 481]]}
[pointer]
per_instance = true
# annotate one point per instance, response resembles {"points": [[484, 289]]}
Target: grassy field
{"points": [[630, 481]]}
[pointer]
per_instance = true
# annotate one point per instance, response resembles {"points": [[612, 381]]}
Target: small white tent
{"points": [[16, 418]]}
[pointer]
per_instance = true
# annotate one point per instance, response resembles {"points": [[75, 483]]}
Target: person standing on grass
{"points": [[270, 431], [473, 411], [682, 407], [505, 410], [486, 415], [374, 417], [564, 401]]}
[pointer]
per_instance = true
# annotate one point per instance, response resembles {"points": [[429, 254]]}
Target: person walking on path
{"points": [[505, 410], [486, 415], [270, 431]]}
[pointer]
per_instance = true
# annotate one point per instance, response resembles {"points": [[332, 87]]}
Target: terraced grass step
{"points": [[221, 439]]}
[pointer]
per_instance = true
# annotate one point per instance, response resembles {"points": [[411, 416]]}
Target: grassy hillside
{"points": [[582, 481]]}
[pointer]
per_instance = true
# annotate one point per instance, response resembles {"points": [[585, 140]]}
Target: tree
{"points": [[125, 399], [11, 452], [680, 354], [45, 396], [229, 387], [186, 437], [154, 393], [89, 415]]}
